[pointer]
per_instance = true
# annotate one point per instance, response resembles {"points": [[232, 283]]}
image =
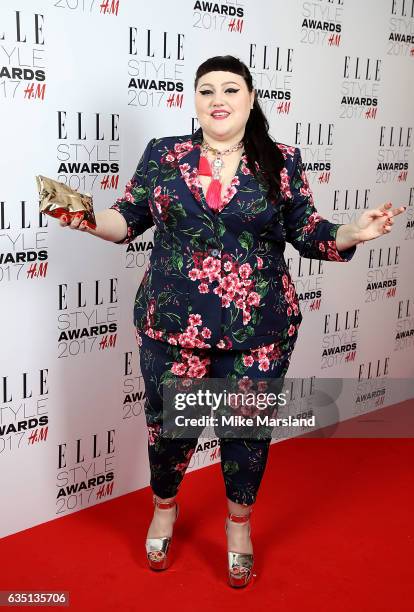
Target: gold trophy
{"points": [[57, 199]]}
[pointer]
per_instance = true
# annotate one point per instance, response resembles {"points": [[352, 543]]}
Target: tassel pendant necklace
{"points": [[213, 195]]}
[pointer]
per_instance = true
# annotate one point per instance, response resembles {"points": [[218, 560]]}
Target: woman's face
{"points": [[223, 103]]}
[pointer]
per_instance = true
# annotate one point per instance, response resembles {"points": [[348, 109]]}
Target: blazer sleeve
{"points": [[312, 235], [134, 204]]}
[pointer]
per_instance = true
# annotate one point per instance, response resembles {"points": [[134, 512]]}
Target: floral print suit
{"points": [[217, 298], [219, 279]]}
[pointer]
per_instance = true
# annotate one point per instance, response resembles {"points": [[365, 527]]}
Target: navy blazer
{"points": [[219, 279]]}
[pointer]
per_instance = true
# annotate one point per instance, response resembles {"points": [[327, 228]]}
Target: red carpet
{"points": [[332, 529]]}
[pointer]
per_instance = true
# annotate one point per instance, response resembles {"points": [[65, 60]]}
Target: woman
{"points": [[217, 299]]}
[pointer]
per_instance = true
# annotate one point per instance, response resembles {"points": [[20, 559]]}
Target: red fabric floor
{"points": [[333, 529]]}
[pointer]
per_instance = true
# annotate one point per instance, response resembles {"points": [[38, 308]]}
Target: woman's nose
{"points": [[217, 100]]}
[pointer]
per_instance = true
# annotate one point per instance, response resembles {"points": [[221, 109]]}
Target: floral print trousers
{"points": [[243, 461]]}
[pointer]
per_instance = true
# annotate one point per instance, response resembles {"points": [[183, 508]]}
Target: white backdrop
{"points": [[81, 83]]}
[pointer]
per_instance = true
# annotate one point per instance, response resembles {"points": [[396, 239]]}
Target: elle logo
{"points": [[367, 69], [376, 369], [78, 122], [23, 220], [25, 387], [92, 448], [21, 34], [395, 137], [341, 323], [163, 51], [81, 295], [403, 8], [314, 134], [405, 309], [351, 199], [271, 58], [384, 257]]}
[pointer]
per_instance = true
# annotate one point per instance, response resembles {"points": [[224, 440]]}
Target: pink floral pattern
{"points": [[290, 296], [305, 189], [127, 193], [235, 282], [191, 365], [285, 184], [287, 151], [328, 247], [191, 337], [244, 167], [224, 343], [313, 221], [180, 150], [153, 433], [263, 355], [162, 202], [220, 280], [190, 175], [181, 467], [230, 192]]}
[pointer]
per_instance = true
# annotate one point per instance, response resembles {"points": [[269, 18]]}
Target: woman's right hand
{"points": [[76, 223], [110, 224]]}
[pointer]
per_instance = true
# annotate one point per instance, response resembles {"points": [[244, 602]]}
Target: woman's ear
{"points": [[252, 98]]}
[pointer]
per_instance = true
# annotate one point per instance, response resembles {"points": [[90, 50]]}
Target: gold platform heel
{"points": [[240, 565], [158, 548]]}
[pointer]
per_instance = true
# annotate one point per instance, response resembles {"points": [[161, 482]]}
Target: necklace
{"points": [[213, 195]]}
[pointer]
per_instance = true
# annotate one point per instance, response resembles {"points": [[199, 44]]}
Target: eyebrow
{"points": [[225, 83]]}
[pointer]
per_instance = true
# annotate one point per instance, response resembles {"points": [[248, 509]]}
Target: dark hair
{"points": [[258, 144]]}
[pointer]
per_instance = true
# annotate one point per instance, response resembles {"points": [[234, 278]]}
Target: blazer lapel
{"points": [[189, 173], [240, 180], [188, 166]]}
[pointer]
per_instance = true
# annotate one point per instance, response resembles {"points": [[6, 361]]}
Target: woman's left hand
{"points": [[376, 222]]}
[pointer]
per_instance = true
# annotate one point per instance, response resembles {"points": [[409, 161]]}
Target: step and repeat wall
{"points": [[84, 85]]}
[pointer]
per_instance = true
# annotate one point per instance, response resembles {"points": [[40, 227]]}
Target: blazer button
{"points": [[215, 252]]}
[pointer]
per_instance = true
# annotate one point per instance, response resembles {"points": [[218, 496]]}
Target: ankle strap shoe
{"points": [[240, 565], [158, 548]]}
